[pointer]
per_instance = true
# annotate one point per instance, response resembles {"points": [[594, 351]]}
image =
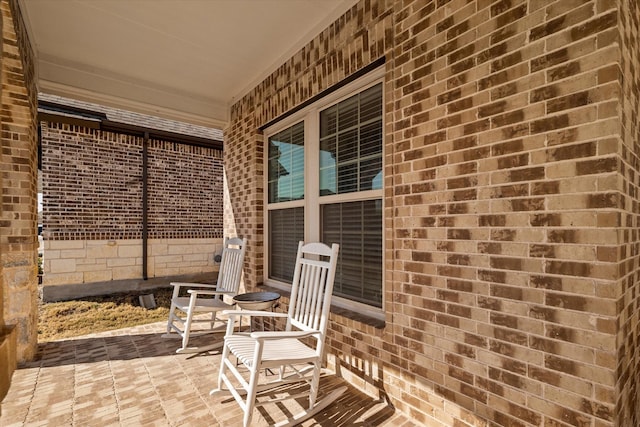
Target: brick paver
{"points": [[133, 377]]}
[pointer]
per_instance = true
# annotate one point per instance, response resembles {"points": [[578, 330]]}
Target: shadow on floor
{"points": [[133, 377], [117, 347]]}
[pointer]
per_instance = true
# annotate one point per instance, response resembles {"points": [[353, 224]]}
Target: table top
{"points": [[257, 297]]}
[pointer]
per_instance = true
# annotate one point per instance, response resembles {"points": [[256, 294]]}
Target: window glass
{"points": [[286, 165], [351, 144]]}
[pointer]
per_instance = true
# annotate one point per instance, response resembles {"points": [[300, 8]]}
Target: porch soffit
{"points": [[185, 60]]}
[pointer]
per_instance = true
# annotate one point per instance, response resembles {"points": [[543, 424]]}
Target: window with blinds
{"points": [[357, 227], [351, 162], [325, 183]]}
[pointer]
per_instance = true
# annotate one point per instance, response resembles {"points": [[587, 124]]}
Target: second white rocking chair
{"points": [[204, 298], [307, 320]]}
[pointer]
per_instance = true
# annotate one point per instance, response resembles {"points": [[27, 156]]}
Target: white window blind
{"points": [[357, 227], [286, 229], [351, 144]]}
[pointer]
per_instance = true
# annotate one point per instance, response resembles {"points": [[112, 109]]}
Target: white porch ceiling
{"points": [[186, 60]]}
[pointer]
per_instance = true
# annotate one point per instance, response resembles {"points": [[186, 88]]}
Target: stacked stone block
{"points": [[69, 262], [511, 205]]}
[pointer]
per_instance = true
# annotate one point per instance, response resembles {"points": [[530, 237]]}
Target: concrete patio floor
{"points": [[133, 377]]}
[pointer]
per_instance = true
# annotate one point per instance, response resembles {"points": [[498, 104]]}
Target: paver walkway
{"points": [[133, 377]]}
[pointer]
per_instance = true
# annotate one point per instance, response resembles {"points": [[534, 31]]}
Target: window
{"points": [[324, 182]]}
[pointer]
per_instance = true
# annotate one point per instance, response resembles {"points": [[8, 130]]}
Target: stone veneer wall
{"points": [[511, 205], [92, 206], [18, 164], [91, 261]]}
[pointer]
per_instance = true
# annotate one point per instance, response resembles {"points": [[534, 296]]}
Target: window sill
{"points": [[368, 321]]}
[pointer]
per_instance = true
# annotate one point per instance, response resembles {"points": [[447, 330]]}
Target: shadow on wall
{"points": [[371, 376], [252, 271]]}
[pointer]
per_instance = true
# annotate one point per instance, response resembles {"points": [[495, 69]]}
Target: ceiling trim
{"points": [[58, 113], [88, 95]]}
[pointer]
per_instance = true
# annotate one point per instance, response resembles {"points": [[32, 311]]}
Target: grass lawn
{"points": [[58, 320]]}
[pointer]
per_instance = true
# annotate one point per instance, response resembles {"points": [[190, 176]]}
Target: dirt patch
{"points": [[58, 320]]}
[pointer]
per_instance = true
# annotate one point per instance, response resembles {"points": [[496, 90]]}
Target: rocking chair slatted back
{"points": [[311, 299], [231, 266]]}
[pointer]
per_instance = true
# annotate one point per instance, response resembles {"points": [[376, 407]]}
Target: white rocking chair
{"points": [[206, 298], [307, 319]]}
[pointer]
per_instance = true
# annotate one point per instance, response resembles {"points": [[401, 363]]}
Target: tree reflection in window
{"points": [[286, 165]]}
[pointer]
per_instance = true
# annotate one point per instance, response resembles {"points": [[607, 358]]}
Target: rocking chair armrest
{"points": [[194, 285], [253, 313], [276, 335], [203, 292]]}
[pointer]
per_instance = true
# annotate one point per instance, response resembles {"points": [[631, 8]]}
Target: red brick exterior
{"points": [[511, 195], [92, 186]]}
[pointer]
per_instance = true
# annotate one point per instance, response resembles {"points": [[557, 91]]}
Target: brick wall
{"points": [[511, 200], [92, 186], [243, 215], [92, 199], [18, 164], [628, 362], [2, 284], [185, 191]]}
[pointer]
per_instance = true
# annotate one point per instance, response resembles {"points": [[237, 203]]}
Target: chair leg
{"points": [[172, 309], [315, 383], [187, 330], [214, 317], [187, 323], [223, 366], [253, 383], [171, 318], [251, 395]]}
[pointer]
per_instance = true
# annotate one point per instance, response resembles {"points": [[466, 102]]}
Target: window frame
{"points": [[312, 200]]}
